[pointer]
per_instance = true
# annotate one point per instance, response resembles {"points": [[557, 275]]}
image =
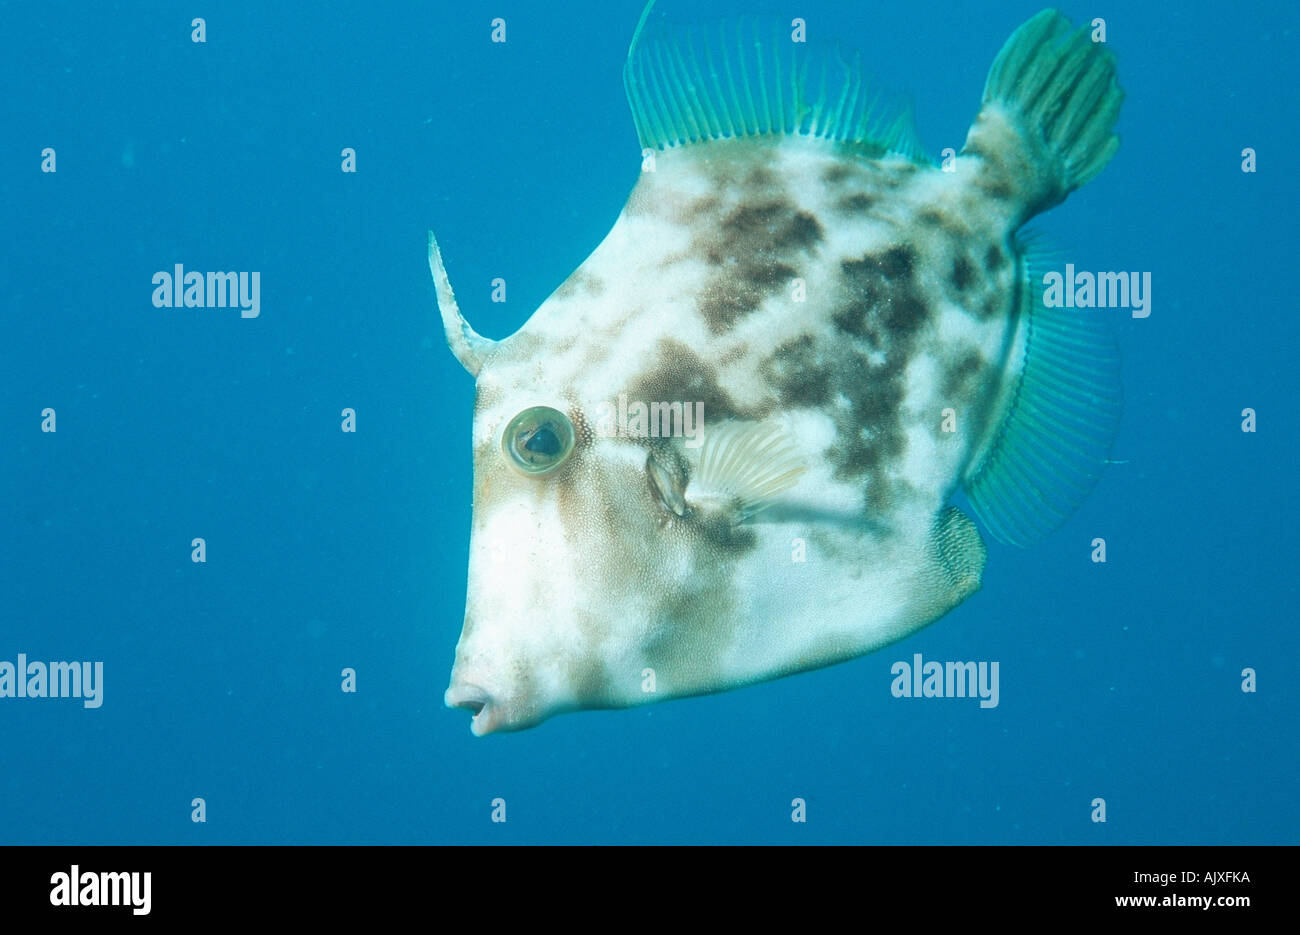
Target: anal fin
{"points": [[959, 552]]}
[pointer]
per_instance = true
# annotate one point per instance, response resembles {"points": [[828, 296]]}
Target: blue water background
{"points": [[327, 550]]}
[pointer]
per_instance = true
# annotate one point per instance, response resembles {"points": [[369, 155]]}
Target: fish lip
{"points": [[476, 700]]}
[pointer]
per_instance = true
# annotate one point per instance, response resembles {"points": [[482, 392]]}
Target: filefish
{"points": [[727, 448]]}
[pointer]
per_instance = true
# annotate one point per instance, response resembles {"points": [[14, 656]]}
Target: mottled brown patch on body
{"points": [[854, 204], [963, 273], [726, 536], [880, 296], [998, 189], [907, 314], [870, 431], [797, 373], [882, 313], [839, 172], [897, 262], [725, 301], [734, 353], [752, 253], [957, 377], [696, 211], [678, 373], [760, 177]]}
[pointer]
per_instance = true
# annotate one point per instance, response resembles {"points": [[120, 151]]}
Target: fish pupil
{"points": [[544, 441]]}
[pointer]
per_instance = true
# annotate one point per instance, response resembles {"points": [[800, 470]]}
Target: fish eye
{"points": [[538, 440]]}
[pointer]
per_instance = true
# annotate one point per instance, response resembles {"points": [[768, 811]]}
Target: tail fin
{"points": [[1048, 116]]}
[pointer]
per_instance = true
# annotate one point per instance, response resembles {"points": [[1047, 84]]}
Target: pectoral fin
{"points": [[744, 467]]}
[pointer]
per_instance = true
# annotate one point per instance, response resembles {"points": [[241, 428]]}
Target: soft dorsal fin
{"points": [[738, 80]]}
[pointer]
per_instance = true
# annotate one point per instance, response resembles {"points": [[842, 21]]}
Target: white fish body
{"points": [[861, 334]]}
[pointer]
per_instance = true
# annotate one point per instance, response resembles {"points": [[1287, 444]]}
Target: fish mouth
{"points": [[478, 702]]}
